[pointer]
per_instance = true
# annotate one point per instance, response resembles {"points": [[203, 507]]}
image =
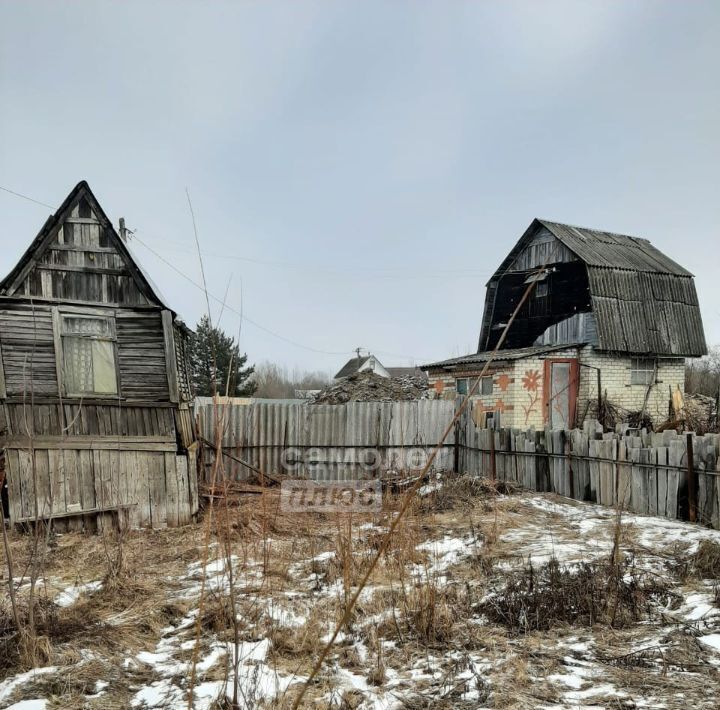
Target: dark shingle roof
{"points": [[352, 366]]}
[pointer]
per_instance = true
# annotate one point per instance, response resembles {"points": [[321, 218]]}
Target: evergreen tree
{"points": [[216, 364]]}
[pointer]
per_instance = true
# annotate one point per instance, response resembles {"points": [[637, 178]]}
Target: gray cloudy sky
{"points": [[362, 167]]}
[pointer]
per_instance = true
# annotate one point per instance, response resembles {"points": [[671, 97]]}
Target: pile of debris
{"points": [[698, 413], [366, 386]]}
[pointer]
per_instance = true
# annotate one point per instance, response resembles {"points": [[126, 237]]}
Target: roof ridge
{"points": [[593, 229]]}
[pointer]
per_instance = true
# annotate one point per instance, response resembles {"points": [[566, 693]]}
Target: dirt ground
{"points": [[483, 600]]}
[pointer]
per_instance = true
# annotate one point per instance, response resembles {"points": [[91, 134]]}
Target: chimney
{"points": [[123, 230]]}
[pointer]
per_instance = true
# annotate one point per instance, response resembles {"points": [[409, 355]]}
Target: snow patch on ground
{"points": [[71, 594]]}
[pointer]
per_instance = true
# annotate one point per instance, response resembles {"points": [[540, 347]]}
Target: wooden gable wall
{"points": [[81, 262]]}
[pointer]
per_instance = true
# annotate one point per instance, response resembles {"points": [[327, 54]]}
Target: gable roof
{"points": [[352, 366], [10, 284]]}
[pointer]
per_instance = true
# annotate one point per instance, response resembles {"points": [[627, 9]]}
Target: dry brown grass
{"points": [[584, 595], [409, 614]]}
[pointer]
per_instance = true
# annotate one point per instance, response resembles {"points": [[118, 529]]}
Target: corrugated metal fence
{"points": [[326, 442], [648, 473]]}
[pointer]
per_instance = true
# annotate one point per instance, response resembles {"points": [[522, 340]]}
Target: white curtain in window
{"points": [[77, 353], [87, 326]]}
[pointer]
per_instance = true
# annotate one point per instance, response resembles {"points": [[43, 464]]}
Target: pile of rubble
{"points": [[366, 386]]}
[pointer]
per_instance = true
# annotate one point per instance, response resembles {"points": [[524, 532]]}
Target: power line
{"points": [[25, 197], [389, 272], [240, 314], [233, 310]]}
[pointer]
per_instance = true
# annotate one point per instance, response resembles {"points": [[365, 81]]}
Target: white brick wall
{"points": [[615, 380], [522, 407]]}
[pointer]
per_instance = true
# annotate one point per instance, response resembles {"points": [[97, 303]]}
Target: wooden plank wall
{"points": [[28, 351], [328, 442], [155, 487]]}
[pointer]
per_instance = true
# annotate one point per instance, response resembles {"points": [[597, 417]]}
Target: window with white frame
{"points": [[88, 354], [642, 371], [461, 385]]}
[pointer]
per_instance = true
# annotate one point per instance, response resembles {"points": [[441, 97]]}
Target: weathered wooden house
{"points": [[608, 314], [95, 423]]}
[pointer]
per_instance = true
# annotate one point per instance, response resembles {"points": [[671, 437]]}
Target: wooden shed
{"points": [[95, 423]]}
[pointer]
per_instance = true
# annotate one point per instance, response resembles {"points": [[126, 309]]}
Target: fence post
{"points": [[493, 466], [692, 480]]}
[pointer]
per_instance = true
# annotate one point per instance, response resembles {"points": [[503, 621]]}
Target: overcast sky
{"points": [[358, 169]]}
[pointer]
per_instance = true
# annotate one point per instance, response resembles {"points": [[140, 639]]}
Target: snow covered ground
{"points": [[417, 638]]}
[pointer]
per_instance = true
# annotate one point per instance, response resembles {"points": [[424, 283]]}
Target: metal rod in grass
{"points": [[407, 500]]}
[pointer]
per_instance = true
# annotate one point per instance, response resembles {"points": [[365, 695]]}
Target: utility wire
{"points": [[25, 197], [241, 314]]}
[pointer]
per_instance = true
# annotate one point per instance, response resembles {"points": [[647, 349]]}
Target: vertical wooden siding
{"points": [[157, 488]]}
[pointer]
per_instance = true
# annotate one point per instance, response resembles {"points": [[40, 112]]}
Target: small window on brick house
{"points": [[486, 386], [642, 371], [461, 385]]}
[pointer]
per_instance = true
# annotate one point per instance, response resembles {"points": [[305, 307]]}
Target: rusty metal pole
{"points": [[692, 480]]}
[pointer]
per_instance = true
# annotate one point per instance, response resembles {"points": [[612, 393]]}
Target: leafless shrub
{"points": [[591, 593], [704, 563], [462, 492]]}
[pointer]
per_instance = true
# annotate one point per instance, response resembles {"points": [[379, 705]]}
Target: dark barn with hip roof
{"points": [[95, 423]]}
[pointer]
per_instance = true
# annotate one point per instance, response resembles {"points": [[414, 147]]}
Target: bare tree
{"points": [[275, 382], [703, 376]]}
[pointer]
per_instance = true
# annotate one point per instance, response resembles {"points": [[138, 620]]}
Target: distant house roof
{"points": [[352, 366], [643, 301], [501, 356]]}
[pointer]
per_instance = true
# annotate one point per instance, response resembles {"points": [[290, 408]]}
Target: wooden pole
{"points": [[692, 480], [493, 464]]}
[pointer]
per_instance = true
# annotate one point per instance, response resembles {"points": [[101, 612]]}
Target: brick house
{"points": [[607, 313]]}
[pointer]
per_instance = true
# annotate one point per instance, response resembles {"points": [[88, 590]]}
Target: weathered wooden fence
{"points": [[647, 473], [325, 442]]}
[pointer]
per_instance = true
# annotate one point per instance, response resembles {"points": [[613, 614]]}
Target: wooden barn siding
{"points": [[158, 488], [141, 355], [75, 419], [81, 265], [28, 348]]}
